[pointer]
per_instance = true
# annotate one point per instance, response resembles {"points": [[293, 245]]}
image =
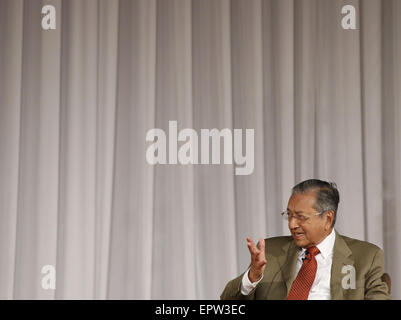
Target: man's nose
{"points": [[292, 223]]}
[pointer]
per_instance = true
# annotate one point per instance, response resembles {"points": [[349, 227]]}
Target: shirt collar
{"points": [[325, 247]]}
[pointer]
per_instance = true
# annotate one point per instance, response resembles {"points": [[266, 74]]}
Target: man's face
{"points": [[312, 231]]}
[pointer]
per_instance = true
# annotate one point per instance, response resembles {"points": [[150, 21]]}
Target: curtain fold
{"points": [[76, 104], [131, 239], [11, 33], [214, 190]]}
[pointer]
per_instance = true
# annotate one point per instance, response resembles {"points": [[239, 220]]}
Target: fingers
{"points": [[261, 259], [258, 259], [256, 249], [252, 247], [262, 244]]}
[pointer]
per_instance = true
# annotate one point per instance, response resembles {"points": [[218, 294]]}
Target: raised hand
{"points": [[258, 259]]}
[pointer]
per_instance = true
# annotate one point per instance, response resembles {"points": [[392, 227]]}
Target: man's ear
{"points": [[329, 217]]}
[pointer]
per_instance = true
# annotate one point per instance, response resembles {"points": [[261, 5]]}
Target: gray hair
{"points": [[327, 196]]}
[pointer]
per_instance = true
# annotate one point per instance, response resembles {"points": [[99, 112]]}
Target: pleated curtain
{"points": [[77, 193]]}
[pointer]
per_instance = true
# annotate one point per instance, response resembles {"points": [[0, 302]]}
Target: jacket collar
{"points": [[341, 256], [288, 263]]}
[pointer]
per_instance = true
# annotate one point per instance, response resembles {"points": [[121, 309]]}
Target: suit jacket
{"points": [[282, 255]]}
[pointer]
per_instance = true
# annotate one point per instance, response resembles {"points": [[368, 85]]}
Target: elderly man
{"points": [[315, 262]]}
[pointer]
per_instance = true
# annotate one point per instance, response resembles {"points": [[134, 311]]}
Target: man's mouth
{"points": [[298, 235]]}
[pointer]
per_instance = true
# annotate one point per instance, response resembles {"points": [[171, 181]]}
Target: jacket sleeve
{"points": [[232, 291], [375, 288]]}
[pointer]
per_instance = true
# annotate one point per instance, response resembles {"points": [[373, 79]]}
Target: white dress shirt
{"points": [[321, 285]]}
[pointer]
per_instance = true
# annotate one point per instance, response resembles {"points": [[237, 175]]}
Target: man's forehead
{"points": [[302, 201]]}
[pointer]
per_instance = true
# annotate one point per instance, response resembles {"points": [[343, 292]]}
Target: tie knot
{"points": [[313, 251]]}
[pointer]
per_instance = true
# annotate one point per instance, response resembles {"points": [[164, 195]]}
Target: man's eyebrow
{"points": [[288, 209]]}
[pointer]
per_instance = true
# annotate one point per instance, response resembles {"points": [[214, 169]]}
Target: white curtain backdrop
{"points": [[76, 102]]}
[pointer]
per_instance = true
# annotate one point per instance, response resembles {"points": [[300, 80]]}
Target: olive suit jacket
{"points": [[281, 254]]}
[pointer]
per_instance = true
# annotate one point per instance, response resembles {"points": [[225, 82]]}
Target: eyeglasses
{"points": [[301, 218]]}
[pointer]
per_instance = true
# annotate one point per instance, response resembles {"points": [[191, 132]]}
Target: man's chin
{"points": [[300, 242]]}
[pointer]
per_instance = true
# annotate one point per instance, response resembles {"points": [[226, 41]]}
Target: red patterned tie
{"points": [[304, 280]]}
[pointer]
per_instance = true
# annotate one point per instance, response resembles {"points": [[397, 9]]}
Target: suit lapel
{"points": [[288, 262], [341, 256]]}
